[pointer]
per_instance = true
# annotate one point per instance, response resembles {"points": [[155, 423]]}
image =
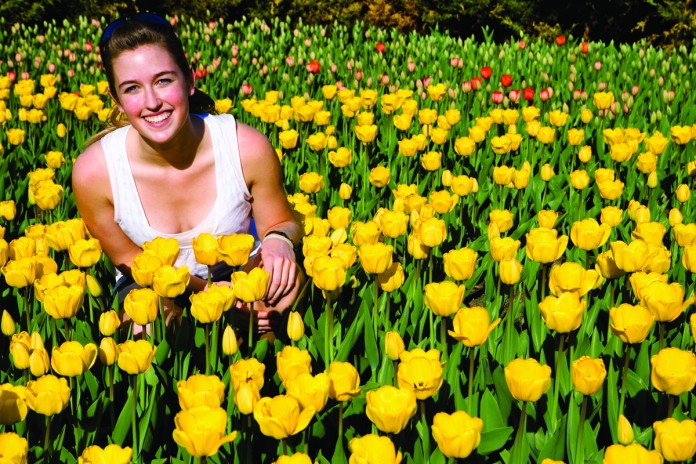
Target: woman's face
{"points": [[152, 92]]}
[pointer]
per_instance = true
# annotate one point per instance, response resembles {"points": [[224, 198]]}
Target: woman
{"points": [[172, 173]]}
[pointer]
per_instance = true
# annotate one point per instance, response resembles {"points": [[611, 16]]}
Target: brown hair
{"points": [[129, 33]]}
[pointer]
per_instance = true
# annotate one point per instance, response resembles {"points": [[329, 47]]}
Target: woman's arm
{"points": [[272, 215]]}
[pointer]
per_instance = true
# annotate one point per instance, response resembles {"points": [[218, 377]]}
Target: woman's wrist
{"points": [[278, 235]]}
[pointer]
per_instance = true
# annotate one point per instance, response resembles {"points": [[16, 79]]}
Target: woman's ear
{"points": [[192, 88]]}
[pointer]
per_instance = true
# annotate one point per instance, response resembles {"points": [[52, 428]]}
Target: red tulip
{"points": [[497, 97], [523, 44], [200, 73], [506, 80], [358, 75], [544, 95], [12, 75], [313, 67], [486, 72], [528, 93], [88, 47], [476, 82], [380, 47], [411, 66], [246, 89], [560, 40], [514, 95], [585, 47]]}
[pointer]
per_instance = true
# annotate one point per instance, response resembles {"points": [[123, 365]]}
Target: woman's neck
{"points": [[179, 152]]}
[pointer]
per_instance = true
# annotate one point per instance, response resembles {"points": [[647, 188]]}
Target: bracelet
{"points": [[279, 235]]}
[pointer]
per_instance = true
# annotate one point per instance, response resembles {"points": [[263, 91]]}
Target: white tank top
{"points": [[231, 212]]}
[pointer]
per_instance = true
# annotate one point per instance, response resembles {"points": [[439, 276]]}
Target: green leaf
{"points": [[493, 440], [123, 423], [490, 412]]}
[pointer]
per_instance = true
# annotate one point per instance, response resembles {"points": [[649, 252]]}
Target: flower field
{"points": [[500, 249]]}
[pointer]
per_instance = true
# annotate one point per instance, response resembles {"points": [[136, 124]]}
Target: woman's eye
{"points": [[129, 89], [164, 81]]}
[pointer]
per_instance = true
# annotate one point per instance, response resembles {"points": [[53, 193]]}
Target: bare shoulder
{"points": [[89, 171], [253, 144]]}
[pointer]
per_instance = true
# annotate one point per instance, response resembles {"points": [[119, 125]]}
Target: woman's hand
{"points": [[278, 259]]}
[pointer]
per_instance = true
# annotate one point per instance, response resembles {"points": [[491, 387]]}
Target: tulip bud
{"points": [[108, 323], [39, 362], [108, 351], [229, 341], [345, 191], [393, 345], [7, 324], [683, 193], [93, 286], [675, 217], [652, 179], [296, 326], [625, 432], [246, 396]]}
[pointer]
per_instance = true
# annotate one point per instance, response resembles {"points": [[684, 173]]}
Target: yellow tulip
{"points": [[85, 252], [681, 135], [247, 370], [251, 286], [502, 218], [544, 245], [205, 249], [308, 390], [166, 249], [460, 263], [379, 176], [20, 273], [587, 234], [234, 249], [421, 372], [200, 390], [373, 449], [675, 440], [63, 301], [71, 358], [472, 325], [8, 324], [673, 371], [13, 448], [563, 313], [13, 405], [665, 301], [526, 379], [207, 306], [201, 430], [112, 454], [503, 249], [291, 362], [141, 305], [630, 323], [633, 453], [603, 100], [572, 277], [48, 395], [144, 266], [390, 408], [431, 161], [464, 146], [135, 357], [630, 257], [366, 133], [579, 179], [432, 232], [510, 271], [393, 345], [281, 416], [685, 234], [328, 272], [344, 381], [109, 322], [456, 434], [375, 258], [625, 431], [108, 351], [392, 278], [444, 298], [588, 374], [297, 458]]}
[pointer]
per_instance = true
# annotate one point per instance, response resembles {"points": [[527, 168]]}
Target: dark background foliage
{"points": [[660, 22]]}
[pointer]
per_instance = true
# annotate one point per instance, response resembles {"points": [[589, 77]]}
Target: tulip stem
{"points": [[580, 450], [557, 380], [426, 433], [328, 331], [375, 308], [472, 357], [25, 295], [134, 427], [521, 430], [207, 349], [251, 323], [47, 439], [624, 375], [670, 405], [443, 335], [661, 325]]}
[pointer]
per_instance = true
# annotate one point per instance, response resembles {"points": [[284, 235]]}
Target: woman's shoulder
{"points": [[252, 142], [90, 166]]}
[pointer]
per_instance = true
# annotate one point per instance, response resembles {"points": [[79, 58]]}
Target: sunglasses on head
{"points": [[145, 18]]}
